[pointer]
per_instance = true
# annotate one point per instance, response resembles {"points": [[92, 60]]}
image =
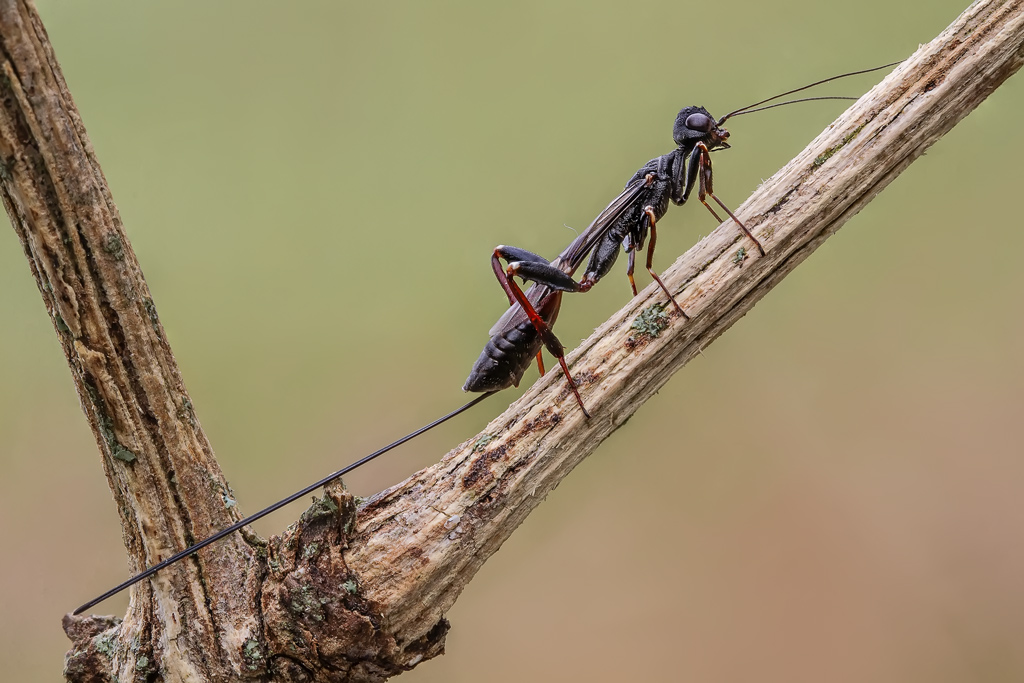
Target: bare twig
{"points": [[351, 594]]}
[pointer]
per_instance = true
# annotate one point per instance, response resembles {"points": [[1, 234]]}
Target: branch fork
{"points": [[359, 592]]}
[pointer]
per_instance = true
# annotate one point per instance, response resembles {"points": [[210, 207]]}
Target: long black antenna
{"points": [[796, 90], [802, 99], [279, 504]]}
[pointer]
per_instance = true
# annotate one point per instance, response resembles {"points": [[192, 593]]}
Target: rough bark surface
{"points": [[169, 491], [351, 594]]}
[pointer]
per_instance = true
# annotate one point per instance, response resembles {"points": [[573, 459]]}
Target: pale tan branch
{"points": [[419, 543]]}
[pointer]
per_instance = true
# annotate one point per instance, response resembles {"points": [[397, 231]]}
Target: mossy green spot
{"points": [[651, 321], [253, 655], [826, 155], [105, 644], [306, 602], [106, 426], [122, 453], [350, 586], [852, 135], [479, 444], [154, 319], [113, 245], [187, 411], [321, 507]]}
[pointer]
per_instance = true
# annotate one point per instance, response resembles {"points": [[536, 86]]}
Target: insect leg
{"points": [[511, 255], [649, 212], [629, 269], [707, 189], [539, 270]]}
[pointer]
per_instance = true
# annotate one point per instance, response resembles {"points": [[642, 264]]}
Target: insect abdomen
{"points": [[504, 359]]}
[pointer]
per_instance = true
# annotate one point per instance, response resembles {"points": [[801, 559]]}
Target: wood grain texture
{"points": [[419, 543], [360, 593], [160, 467]]}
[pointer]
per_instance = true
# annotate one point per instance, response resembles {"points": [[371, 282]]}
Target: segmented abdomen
{"points": [[504, 359]]}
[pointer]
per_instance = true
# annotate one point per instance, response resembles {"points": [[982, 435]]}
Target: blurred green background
{"points": [[831, 493]]}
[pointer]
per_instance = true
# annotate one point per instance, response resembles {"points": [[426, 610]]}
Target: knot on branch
{"points": [[319, 624], [94, 644]]}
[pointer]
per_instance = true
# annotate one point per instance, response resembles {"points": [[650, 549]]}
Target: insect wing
{"points": [[574, 255], [515, 314]]}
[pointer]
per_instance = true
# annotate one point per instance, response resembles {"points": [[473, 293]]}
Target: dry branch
{"points": [[360, 594], [160, 467]]}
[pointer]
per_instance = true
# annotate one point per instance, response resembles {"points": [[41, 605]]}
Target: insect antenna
{"points": [[744, 110], [802, 99], [279, 504]]}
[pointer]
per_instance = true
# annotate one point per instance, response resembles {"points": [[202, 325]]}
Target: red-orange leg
{"points": [[650, 262], [505, 277], [706, 189], [739, 223], [631, 262]]}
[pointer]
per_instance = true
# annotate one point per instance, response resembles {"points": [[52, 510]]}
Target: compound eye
{"points": [[699, 122]]}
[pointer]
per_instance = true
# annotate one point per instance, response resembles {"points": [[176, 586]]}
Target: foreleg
{"points": [[706, 189]]}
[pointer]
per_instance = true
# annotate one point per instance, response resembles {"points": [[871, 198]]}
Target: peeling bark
{"points": [[353, 593]]}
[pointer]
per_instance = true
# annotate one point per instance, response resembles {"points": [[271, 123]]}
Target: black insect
{"points": [[526, 325], [517, 337]]}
